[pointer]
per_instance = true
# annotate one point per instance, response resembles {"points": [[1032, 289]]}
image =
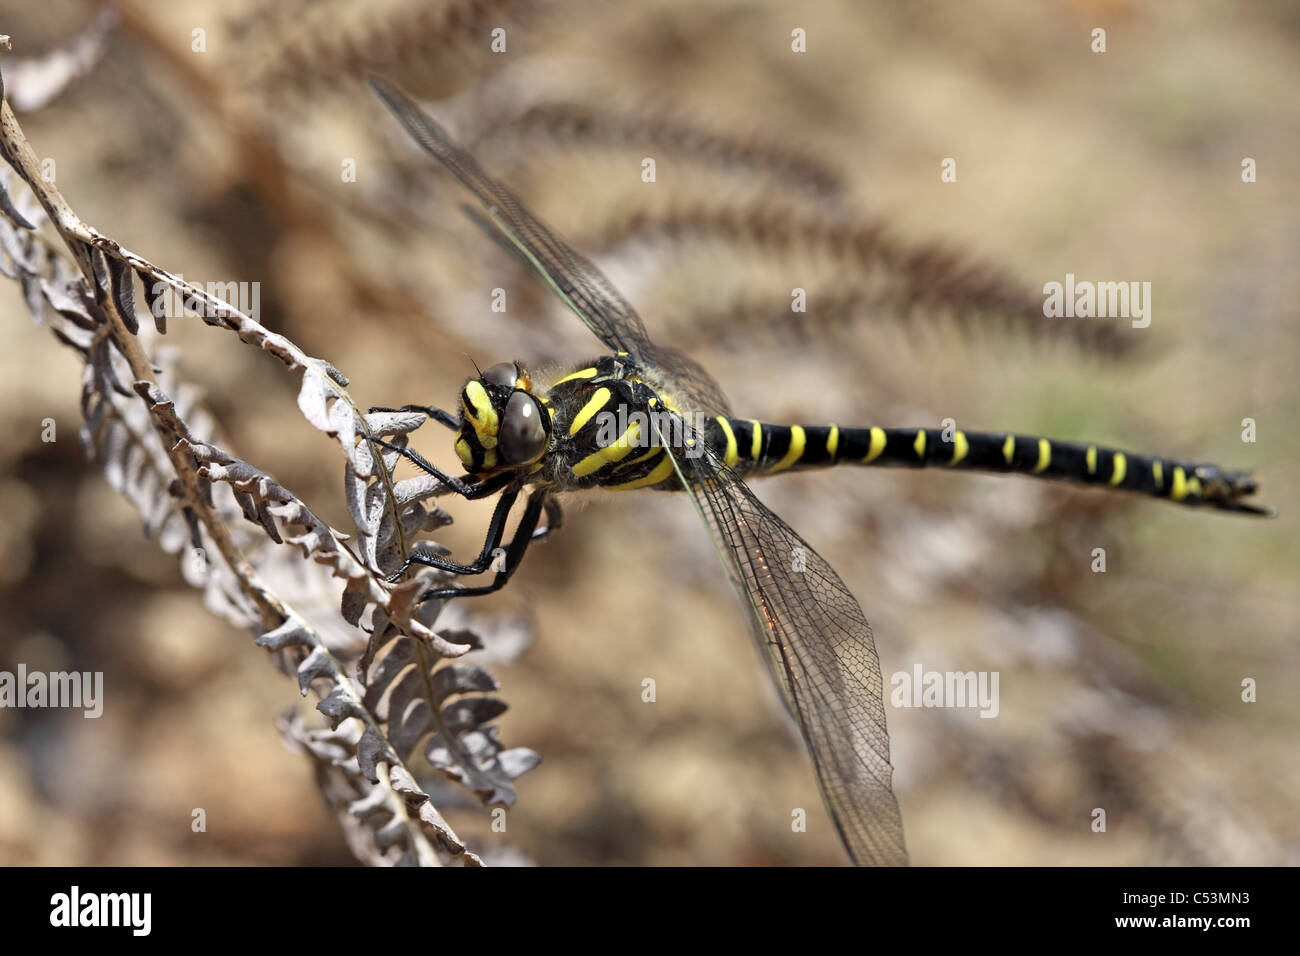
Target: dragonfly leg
{"points": [[482, 489], [459, 485], [523, 537], [554, 519], [495, 532]]}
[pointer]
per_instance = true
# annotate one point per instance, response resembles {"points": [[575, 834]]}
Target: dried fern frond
{"points": [[160, 448], [572, 124], [871, 272], [302, 48]]}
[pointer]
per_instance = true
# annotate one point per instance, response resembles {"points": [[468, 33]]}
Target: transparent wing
{"points": [[818, 648], [682, 377], [572, 277]]}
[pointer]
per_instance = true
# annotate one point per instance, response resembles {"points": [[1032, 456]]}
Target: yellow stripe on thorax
{"points": [[756, 446], [833, 442], [1044, 455], [581, 373], [660, 472], [797, 440], [654, 450], [877, 445], [616, 452], [589, 410], [733, 453]]}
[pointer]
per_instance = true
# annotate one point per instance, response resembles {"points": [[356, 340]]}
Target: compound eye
{"points": [[522, 438], [504, 374]]}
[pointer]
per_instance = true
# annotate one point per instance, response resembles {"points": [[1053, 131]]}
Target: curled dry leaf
{"points": [[227, 520]]}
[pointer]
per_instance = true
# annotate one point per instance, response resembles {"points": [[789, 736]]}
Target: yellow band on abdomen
{"points": [[959, 448], [877, 445], [733, 453], [1118, 467], [1044, 456], [797, 440]]}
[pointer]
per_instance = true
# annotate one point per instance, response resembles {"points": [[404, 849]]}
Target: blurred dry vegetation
{"points": [[774, 171]]}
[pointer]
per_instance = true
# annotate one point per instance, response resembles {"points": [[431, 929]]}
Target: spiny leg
{"points": [[470, 492], [495, 532], [523, 537], [483, 489], [554, 518]]}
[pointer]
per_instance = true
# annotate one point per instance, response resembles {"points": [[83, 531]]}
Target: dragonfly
{"points": [[645, 416]]}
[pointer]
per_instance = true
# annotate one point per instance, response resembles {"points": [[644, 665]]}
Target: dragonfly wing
{"points": [[578, 283], [818, 649], [572, 277], [685, 379]]}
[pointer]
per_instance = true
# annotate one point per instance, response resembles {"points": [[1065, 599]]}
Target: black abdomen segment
{"points": [[763, 448]]}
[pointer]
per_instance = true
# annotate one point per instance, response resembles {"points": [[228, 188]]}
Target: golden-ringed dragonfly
{"points": [[648, 417]]}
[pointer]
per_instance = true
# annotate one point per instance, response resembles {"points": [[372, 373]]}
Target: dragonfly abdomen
{"points": [[762, 448]]}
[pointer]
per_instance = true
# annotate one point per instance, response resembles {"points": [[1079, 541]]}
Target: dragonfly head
{"points": [[503, 424]]}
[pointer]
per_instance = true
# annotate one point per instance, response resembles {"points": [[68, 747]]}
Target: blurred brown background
{"points": [[1119, 690]]}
